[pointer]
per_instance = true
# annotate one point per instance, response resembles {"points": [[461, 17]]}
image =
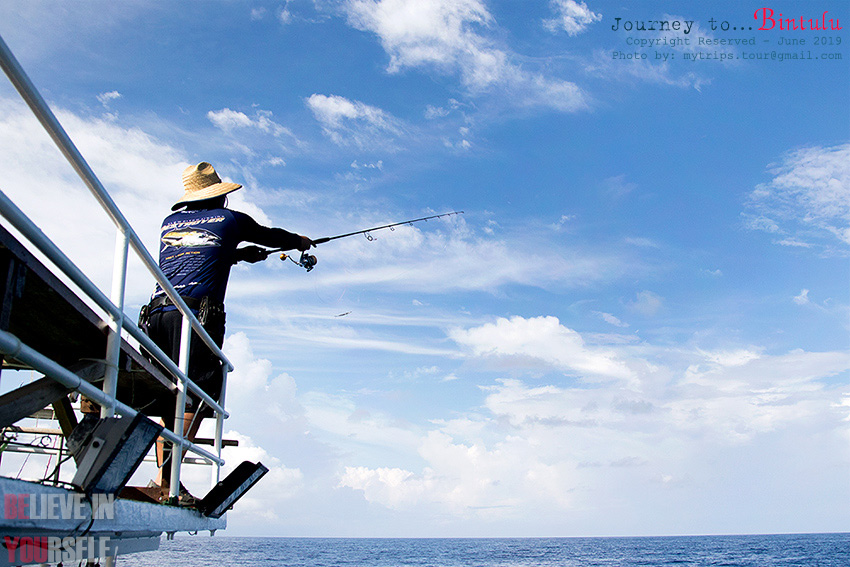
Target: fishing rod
{"points": [[308, 261]]}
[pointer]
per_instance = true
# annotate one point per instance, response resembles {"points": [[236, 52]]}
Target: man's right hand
{"points": [[305, 245], [251, 254]]}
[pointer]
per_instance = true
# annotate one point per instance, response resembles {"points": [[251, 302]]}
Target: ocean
{"points": [[809, 550]]}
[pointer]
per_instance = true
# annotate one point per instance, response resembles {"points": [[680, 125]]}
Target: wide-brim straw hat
{"points": [[202, 182]]}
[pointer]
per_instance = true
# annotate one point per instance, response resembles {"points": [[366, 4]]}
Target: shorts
{"points": [[205, 369]]}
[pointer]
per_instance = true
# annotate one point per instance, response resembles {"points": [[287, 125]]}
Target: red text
{"points": [[768, 22]]}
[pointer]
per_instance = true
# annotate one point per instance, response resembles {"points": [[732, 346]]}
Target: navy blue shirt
{"points": [[198, 248]]}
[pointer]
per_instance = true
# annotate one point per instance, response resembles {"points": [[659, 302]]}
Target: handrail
{"points": [[118, 322], [48, 120], [12, 346], [26, 227]]}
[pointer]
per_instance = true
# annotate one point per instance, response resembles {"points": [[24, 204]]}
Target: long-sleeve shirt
{"points": [[198, 248]]}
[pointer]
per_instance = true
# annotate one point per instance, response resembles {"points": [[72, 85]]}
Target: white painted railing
{"points": [[126, 238]]}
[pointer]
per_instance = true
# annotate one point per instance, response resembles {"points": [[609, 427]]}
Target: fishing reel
{"points": [[307, 261]]}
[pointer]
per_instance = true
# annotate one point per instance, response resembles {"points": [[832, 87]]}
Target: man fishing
{"points": [[198, 246]]}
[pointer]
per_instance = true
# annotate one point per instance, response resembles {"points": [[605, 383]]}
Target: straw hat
{"points": [[202, 182]]}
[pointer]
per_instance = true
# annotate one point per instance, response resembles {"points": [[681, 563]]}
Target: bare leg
{"points": [[190, 430]]}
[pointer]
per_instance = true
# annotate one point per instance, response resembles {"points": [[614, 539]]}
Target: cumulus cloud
{"points": [[435, 32], [141, 173], [451, 37], [544, 446], [392, 487], [571, 16], [265, 501], [808, 199], [465, 479]]}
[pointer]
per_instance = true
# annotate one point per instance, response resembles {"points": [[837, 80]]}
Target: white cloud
{"points": [[349, 122], [808, 198], [284, 15], [392, 487], [563, 221], [676, 72], [741, 398], [760, 222], [106, 98], [602, 64], [794, 243], [803, 298], [141, 173], [434, 32], [442, 256], [552, 448], [543, 339], [737, 357], [647, 303], [432, 112], [449, 36], [466, 479], [339, 416], [609, 318], [617, 187], [571, 16], [641, 241], [256, 135], [229, 120], [333, 111], [379, 165], [252, 380]]}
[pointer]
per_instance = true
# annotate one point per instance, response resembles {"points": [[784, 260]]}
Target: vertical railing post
{"points": [[116, 323], [219, 424], [180, 410]]}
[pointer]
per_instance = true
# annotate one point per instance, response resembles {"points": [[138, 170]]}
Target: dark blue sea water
{"points": [[810, 550]]}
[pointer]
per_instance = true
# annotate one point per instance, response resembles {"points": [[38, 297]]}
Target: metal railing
{"points": [[114, 305]]}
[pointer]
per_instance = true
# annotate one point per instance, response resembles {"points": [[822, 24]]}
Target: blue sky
{"points": [[638, 327]]}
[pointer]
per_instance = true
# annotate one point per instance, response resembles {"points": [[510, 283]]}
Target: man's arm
{"points": [[251, 231]]}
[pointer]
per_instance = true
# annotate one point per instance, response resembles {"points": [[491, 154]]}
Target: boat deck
{"points": [[46, 315]]}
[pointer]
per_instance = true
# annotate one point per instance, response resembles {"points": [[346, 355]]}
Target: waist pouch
{"points": [[207, 309]]}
